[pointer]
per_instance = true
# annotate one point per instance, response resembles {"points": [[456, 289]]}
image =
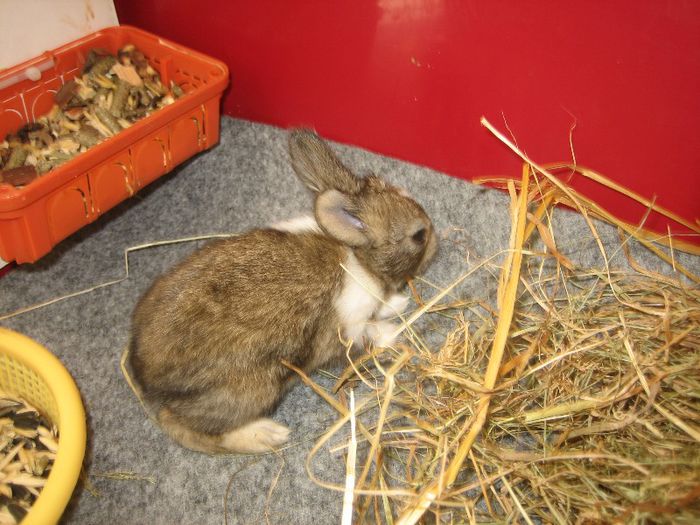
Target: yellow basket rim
{"points": [[62, 480]]}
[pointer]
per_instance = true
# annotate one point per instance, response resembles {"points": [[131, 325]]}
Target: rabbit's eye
{"points": [[419, 236]]}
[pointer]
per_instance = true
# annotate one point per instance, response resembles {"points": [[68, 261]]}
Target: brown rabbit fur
{"points": [[209, 336]]}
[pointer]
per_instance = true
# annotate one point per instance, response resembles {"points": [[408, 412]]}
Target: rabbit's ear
{"points": [[317, 166], [335, 216]]}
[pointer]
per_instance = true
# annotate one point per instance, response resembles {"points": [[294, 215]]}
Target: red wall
{"points": [[410, 79]]}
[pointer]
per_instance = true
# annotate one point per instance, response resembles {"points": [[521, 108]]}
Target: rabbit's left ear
{"points": [[334, 214], [317, 166]]}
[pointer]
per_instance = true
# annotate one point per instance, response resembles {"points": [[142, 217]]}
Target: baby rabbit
{"points": [[209, 336]]}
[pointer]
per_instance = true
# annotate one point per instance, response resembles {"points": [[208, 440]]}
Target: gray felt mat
{"points": [[243, 182]]}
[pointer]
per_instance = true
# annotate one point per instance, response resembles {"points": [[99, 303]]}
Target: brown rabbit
{"points": [[209, 335]]}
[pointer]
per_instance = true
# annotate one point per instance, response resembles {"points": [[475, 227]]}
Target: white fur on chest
{"points": [[362, 306]]}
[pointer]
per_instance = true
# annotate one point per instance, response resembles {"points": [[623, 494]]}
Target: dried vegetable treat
{"points": [[28, 446], [112, 93]]}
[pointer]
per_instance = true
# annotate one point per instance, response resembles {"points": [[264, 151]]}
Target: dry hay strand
{"points": [[577, 400]]}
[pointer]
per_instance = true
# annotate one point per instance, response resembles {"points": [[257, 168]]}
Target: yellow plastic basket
{"points": [[31, 372]]}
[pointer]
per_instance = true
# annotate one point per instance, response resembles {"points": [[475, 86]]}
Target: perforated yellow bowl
{"points": [[30, 371]]}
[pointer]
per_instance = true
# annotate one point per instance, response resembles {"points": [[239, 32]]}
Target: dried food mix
{"points": [[28, 446], [112, 93]]}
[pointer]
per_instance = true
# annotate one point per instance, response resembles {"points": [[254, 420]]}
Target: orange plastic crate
{"points": [[33, 219]]}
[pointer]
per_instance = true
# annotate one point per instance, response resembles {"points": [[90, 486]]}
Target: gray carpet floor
{"points": [[244, 182]]}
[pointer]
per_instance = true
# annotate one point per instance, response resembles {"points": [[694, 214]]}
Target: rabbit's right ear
{"points": [[334, 213], [317, 166]]}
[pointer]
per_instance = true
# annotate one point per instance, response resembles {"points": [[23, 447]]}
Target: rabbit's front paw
{"points": [[382, 333], [394, 305]]}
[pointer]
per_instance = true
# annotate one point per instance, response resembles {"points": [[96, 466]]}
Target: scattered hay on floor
{"points": [[576, 400]]}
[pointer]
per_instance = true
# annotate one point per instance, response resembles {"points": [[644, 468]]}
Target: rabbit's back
{"points": [[236, 307]]}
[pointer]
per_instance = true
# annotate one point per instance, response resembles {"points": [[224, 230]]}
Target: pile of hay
{"points": [[575, 400]]}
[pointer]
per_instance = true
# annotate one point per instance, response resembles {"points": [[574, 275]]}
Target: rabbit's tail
{"points": [[258, 436]]}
